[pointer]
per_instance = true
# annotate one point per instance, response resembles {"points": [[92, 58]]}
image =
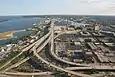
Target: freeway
{"points": [[38, 41], [59, 68], [60, 59], [35, 45], [98, 67], [28, 74], [8, 62], [15, 65], [41, 47], [54, 66], [65, 61], [27, 48], [27, 58]]}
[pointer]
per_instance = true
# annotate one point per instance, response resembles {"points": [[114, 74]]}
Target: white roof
{"points": [[110, 44], [77, 43]]}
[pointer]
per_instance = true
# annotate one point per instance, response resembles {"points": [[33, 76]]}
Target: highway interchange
{"points": [[36, 48]]}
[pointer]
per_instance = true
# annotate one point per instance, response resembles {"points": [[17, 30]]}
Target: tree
{"points": [[60, 74], [80, 28], [72, 26]]}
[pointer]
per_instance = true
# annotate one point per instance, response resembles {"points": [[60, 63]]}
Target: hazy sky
{"points": [[41, 7]]}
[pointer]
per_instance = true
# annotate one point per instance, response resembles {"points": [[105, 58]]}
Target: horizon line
{"points": [[58, 14]]}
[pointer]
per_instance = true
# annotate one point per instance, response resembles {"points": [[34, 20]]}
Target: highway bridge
{"points": [[36, 48], [28, 74], [54, 66], [98, 67], [26, 49]]}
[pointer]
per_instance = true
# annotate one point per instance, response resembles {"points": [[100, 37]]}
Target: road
{"points": [[54, 66], [59, 68], [60, 59], [95, 67], [37, 47], [65, 61], [27, 48], [27, 58], [28, 74]]}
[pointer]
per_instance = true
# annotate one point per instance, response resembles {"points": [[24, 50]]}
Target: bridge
{"points": [[36, 47], [98, 67]]}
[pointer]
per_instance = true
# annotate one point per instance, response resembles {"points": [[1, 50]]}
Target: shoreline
{"points": [[9, 34]]}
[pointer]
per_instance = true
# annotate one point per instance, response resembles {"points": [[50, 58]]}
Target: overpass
{"points": [[33, 46], [36, 51], [28, 74], [27, 48], [36, 48], [98, 67], [55, 66]]}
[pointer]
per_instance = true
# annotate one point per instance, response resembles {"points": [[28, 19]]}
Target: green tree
{"points": [[60, 74]]}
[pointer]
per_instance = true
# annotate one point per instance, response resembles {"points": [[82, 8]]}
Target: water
{"points": [[17, 24], [22, 33]]}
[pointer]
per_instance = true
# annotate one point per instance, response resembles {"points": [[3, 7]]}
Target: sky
{"points": [[57, 7]]}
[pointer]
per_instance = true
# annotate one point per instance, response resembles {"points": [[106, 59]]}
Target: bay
{"points": [[17, 24]]}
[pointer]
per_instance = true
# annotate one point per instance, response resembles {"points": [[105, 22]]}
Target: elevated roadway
{"points": [[27, 58], [59, 68], [37, 47], [28, 74], [38, 50], [109, 68], [54, 66], [34, 45]]}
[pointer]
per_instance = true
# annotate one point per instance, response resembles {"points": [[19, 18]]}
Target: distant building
{"points": [[97, 28], [45, 22], [108, 33], [63, 23]]}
